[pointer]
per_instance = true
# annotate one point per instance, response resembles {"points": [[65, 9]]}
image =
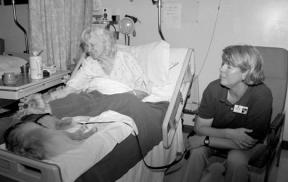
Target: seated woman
{"points": [[104, 60], [42, 136], [234, 115]]}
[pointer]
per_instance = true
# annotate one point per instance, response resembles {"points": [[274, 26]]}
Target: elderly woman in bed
{"points": [[105, 62], [42, 136]]}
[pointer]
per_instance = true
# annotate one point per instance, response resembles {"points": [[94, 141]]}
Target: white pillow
{"points": [[153, 59], [11, 64]]}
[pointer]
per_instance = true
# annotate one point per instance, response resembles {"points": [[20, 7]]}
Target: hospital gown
{"points": [[125, 70]]}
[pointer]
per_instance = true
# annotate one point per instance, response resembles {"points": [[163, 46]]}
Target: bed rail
{"points": [[177, 102], [23, 169]]}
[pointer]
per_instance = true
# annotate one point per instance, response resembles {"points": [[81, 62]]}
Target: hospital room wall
{"points": [[257, 22]]}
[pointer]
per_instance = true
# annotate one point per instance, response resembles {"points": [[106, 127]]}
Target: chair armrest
{"points": [[266, 152], [278, 121]]}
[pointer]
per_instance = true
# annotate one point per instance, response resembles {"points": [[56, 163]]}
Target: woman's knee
{"points": [[199, 153], [237, 158]]}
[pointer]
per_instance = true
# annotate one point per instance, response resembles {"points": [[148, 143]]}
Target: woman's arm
{"points": [[198, 141], [224, 138], [81, 79], [217, 137], [81, 133], [60, 93]]}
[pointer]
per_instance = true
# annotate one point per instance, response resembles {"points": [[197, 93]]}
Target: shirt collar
{"points": [[243, 100]]}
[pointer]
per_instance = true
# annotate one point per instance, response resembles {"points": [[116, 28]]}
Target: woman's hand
{"points": [[195, 141], [82, 133], [240, 137], [139, 94], [34, 104], [66, 78]]}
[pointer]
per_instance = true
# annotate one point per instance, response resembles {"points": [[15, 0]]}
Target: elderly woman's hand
{"points": [[240, 137], [82, 133], [139, 94], [34, 104]]}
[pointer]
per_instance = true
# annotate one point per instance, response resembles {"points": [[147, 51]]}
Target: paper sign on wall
{"points": [[172, 15]]}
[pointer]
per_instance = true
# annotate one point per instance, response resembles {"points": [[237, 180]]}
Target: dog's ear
{"points": [[33, 146]]}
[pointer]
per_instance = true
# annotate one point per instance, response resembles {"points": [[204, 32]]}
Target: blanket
{"points": [[148, 118], [75, 162]]}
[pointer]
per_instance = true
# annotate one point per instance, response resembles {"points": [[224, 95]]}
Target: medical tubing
{"points": [[211, 39], [140, 149], [159, 6], [159, 167], [21, 27], [176, 160]]}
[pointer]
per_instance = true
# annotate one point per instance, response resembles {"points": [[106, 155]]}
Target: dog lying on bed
{"points": [[42, 136]]}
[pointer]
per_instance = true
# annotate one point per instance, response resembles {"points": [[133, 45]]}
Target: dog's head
{"points": [[21, 138]]}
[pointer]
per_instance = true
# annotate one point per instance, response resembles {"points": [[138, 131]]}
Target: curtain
{"points": [[55, 28]]}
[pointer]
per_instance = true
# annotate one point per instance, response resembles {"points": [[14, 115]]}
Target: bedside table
{"points": [[26, 86]]}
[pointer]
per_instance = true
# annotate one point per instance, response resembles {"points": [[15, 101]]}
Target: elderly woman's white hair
{"points": [[96, 35]]}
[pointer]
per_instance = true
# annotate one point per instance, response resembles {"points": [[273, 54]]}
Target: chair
{"points": [[263, 161], [276, 73]]}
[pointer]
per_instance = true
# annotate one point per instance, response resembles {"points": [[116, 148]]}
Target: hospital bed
{"points": [[180, 75]]}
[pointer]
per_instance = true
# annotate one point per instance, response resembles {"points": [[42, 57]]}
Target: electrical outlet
{"points": [[106, 14]]}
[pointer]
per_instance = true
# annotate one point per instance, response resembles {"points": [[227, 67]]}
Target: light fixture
{"points": [[127, 27]]}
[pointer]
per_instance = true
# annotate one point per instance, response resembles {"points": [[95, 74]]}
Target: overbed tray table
{"points": [[26, 86]]}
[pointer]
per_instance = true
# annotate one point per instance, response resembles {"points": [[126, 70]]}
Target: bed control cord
{"points": [[166, 167], [179, 156]]}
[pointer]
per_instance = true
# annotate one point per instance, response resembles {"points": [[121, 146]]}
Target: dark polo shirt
{"points": [[254, 108]]}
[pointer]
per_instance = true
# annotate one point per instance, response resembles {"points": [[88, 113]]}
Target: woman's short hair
{"points": [[247, 58], [99, 35]]}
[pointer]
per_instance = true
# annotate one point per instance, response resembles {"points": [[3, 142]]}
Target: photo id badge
{"points": [[240, 109]]}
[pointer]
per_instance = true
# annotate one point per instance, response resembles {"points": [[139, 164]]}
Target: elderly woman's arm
{"points": [[60, 93], [80, 80]]}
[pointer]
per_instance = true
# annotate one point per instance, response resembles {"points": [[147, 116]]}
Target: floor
{"points": [[277, 174]]}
